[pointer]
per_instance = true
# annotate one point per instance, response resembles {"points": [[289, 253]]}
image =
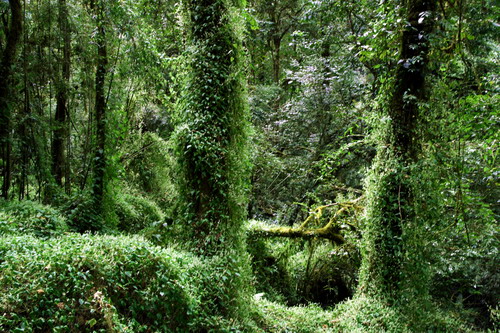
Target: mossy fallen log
{"points": [[332, 234], [331, 230]]}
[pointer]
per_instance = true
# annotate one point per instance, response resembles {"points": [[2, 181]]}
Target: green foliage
{"points": [[463, 152], [92, 284], [321, 74], [324, 273], [148, 167], [275, 317], [135, 212], [372, 314], [315, 109], [28, 217], [84, 283], [82, 214], [268, 262], [223, 293]]}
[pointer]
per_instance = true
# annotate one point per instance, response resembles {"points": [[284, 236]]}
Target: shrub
{"points": [[82, 214], [269, 257], [275, 317], [147, 167], [466, 275], [83, 283], [375, 314], [136, 212], [222, 293], [28, 217]]}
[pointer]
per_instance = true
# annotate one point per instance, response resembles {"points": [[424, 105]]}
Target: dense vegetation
{"points": [[249, 166]]}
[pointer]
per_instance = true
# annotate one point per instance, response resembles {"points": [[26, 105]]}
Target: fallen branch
{"points": [[331, 230], [332, 234]]}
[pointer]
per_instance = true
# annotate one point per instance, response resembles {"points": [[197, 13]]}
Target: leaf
{"points": [[92, 322]]}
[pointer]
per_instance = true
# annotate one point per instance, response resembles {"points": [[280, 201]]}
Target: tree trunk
{"points": [[276, 55], [391, 214], [8, 57], [98, 185], [212, 152], [211, 147], [59, 168]]}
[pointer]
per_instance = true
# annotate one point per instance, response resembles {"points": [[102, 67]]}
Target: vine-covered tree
{"points": [[212, 150], [392, 262]]}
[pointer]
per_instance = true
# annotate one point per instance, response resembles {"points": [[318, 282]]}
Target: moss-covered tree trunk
{"points": [[212, 154], [392, 255], [7, 61], [212, 134]]}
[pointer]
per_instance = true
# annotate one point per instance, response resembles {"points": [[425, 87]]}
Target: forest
{"points": [[249, 166]]}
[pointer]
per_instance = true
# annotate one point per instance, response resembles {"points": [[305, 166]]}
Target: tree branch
{"points": [[331, 230]]}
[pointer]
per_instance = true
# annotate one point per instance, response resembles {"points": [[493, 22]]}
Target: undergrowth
{"points": [[372, 314], [83, 283], [28, 217], [92, 283]]}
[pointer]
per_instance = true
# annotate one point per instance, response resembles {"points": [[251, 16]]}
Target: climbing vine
{"points": [[212, 127]]}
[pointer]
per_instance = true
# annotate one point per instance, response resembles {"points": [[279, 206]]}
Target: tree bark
{"points": [[8, 57]]}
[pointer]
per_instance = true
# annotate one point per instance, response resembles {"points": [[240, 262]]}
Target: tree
{"points": [[213, 126], [212, 153], [8, 58], [60, 168], [280, 17], [99, 170], [392, 259]]}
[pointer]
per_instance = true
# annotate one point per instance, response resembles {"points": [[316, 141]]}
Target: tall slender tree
{"points": [[99, 170], [59, 161], [7, 61]]}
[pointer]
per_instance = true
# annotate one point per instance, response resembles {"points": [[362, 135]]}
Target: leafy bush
{"points": [[222, 293], [466, 275], [275, 317], [82, 214], [28, 217], [147, 167], [373, 314], [269, 270], [83, 283], [136, 212]]}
